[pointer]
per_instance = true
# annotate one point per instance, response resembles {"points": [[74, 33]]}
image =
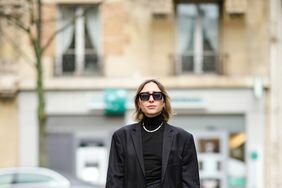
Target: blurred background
{"points": [[69, 70]]}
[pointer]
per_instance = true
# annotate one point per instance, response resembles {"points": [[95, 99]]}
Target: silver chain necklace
{"points": [[151, 131]]}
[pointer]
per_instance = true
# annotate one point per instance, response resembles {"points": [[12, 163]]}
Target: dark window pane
{"points": [[209, 64], [91, 63], [187, 63], [68, 63], [69, 57]]}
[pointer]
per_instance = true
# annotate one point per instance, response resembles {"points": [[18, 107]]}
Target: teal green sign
{"points": [[115, 101], [254, 155], [237, 181]]}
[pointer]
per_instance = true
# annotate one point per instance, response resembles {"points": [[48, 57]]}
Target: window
{"points": [[78, 45], [197, 38]]}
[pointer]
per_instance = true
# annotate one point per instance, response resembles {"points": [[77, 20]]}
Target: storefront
{"points": [[228, 129], [227, 125]]}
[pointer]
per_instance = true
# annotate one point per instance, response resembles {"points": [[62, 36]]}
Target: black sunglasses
{"points": [[145, 96]]}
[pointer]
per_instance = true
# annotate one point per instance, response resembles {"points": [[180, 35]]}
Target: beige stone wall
{"points": [[9, 133], [233, 46], [10, 53], [245, 41], [127, 39], [258, 37], [273, 143], [115, 38], [163, 46], [49, 28], [134, 40], [10, 50]]}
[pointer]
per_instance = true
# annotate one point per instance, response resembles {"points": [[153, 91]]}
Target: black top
{"points": [[152, 147]]}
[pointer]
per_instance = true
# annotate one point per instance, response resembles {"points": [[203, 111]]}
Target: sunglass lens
{"points": [[144, 96], [157, 96]]}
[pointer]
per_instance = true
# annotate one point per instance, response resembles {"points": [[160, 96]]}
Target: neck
{"points": [[153, 122]]}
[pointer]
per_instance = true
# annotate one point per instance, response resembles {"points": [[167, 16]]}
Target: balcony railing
{"points": [[193, 63], [92, 65]]}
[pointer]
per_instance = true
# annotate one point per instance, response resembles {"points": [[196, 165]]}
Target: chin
{"points": [[152, 114]]}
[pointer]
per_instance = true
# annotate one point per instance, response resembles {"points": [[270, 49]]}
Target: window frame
{"points": [[79, 51], [198, 65]]}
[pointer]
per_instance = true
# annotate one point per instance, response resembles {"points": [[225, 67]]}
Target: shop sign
{"points": [[115, 101], [188, 102]]}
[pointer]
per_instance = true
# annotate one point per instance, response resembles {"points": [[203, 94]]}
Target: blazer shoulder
{"points": [[126, 128], [179, 130]]}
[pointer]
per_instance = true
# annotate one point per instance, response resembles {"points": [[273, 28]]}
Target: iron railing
{"points": [[68, 65], [192, 63]]}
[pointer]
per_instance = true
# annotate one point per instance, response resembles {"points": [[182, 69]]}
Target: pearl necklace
{"points": [[151, 131]]}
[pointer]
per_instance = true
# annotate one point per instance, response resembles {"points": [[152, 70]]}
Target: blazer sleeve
{"points": [[190, 170], [115, 174]]}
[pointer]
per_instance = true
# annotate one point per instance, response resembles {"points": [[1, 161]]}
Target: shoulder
{"points": [[179, 131], [182, 136], [126, 129]]}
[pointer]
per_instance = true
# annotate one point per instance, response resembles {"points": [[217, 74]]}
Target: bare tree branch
{"points": [[17, 48], [16, 22], [44, 47], [52, 37]]}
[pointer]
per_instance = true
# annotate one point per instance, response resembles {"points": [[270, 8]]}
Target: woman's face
{"points": [[151, 100]]}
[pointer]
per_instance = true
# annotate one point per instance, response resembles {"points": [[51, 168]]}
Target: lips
{"points": [[151, 106]]}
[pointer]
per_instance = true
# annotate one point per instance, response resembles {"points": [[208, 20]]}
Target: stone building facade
{"points": [[218, 59]]}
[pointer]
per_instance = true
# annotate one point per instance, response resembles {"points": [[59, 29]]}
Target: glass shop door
{"points": [[212, 150]]}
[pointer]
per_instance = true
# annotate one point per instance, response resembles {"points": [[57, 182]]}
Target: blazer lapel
{"points": [[167, 141], [137, 141]]}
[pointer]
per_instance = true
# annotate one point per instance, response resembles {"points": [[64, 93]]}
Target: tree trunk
{"points": [[41, 113]]}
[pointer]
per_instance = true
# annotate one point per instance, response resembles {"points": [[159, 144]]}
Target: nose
{"points": [[151, 98]]}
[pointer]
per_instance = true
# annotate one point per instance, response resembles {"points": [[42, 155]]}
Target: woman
{"points": [[152, 153]]}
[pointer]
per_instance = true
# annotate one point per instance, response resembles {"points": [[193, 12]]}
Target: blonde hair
{"points": [[167, 110]]}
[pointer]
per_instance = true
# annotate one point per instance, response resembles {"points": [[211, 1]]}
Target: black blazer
{"points": [[179, 159]]}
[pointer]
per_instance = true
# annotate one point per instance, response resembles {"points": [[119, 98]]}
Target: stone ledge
{"points": [[185, 82], [8, 86]]}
